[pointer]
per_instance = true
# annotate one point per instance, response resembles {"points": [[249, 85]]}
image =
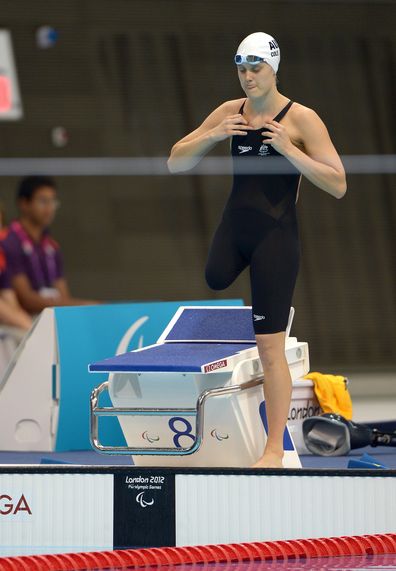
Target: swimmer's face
{"points": [[256, 79]]}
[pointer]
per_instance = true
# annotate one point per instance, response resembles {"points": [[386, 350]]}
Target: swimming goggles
{"points": [[238, 59]]}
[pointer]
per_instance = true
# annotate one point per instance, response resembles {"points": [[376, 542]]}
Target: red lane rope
{"points": [[381, 544]]}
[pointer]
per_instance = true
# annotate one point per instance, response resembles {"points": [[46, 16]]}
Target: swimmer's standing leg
{"points": [[277, 391]]}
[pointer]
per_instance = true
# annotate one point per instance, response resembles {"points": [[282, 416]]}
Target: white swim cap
{"points": [[262, 45]]}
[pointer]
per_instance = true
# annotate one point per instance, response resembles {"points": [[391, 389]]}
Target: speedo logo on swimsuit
{"points": [[263, 150], [258, 317], [243, 149]]}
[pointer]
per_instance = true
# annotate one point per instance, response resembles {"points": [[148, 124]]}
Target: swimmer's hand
{"points": [[278, 136], [231, 125]]}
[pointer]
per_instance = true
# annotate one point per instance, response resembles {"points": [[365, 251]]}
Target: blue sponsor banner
{"points": [[86, 334]]}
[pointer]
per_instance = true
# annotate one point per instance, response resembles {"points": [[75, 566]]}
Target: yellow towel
{"points": [[332, 393]]}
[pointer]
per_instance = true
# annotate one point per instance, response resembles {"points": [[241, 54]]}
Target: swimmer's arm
{"points": [[320, 163], [186, 153]]}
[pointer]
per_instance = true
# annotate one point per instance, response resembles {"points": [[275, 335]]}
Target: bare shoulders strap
{"points": [[241, 107], [283, 111]]}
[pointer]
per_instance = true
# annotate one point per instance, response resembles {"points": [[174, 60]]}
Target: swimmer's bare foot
{"points": [[269, 460]]}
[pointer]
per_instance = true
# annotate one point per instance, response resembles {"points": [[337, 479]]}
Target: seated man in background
{"points": [[11, 312], [34, 258]]}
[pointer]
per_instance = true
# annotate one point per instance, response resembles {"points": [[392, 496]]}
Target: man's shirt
{"points": [[5, 282], [40, 261]]}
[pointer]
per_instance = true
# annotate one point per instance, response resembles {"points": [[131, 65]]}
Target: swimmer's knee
{"points": [[215, 279], [271, 345]]}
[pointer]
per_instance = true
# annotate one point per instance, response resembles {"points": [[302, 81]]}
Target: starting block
{"points": [[195, 398]]}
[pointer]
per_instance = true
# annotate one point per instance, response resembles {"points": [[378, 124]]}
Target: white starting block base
{"points": [[234, 432], [230, 440]]}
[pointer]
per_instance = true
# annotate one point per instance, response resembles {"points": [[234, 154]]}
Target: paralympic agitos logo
{"points": [[10, 505]]}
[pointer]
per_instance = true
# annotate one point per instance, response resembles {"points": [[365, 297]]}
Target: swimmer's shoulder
{"points": [[302, 121], [236, 103], [230, 107], [223, 110], [300, 114]]}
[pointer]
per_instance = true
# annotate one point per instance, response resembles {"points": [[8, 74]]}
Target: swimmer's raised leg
{"points": [[278, 392]]}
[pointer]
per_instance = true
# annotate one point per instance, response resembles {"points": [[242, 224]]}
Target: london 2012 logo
{"points": [[142, 502]]}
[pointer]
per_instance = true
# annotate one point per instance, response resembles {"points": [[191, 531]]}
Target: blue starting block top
{"points": [[170, 357], [206, 324], [195, 338]]}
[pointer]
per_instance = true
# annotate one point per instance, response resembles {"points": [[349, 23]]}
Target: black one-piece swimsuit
{"points": [[259, 229]]}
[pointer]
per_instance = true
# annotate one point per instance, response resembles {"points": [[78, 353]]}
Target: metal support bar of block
{"points": [[198, 412]]}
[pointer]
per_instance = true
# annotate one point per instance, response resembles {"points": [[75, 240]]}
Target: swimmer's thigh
{"points": [[224, 262]]}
